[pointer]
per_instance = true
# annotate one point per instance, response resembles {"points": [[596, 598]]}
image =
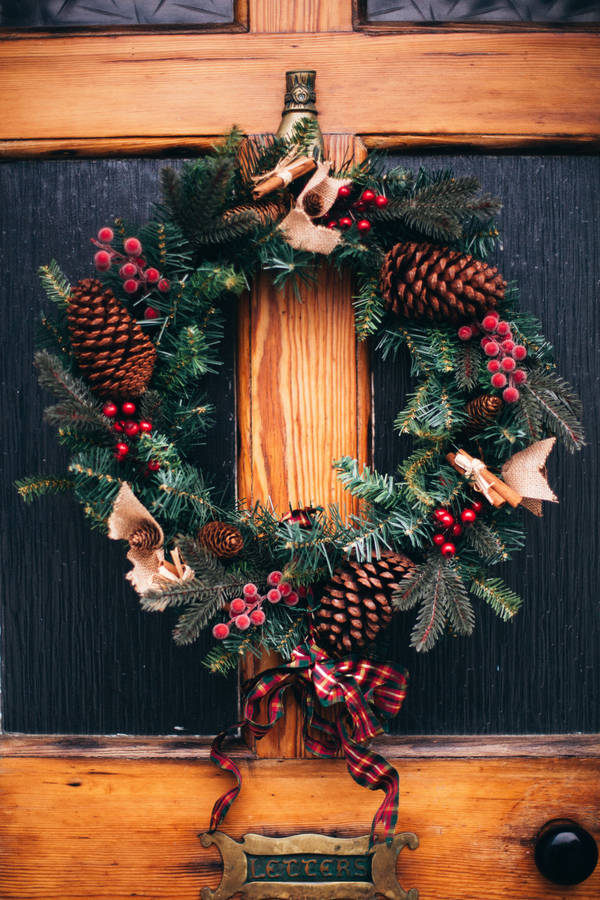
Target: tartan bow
{"points": [[364, 691]]}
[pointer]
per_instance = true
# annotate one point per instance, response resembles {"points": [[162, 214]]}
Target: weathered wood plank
{"points": [[528, 84], [79, 829]]}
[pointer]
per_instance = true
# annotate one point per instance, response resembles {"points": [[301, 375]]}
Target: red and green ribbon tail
{"points": [[364, 692]]}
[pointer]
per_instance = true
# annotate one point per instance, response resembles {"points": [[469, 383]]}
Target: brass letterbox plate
{"points": [[308, 867]]}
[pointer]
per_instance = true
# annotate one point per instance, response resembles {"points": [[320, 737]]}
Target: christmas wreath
{"points": [[124, 353]]}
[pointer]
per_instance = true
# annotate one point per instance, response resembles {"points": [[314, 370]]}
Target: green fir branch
{"points": [[55, 284], [496, 594], [35, 486], [559, 408]]}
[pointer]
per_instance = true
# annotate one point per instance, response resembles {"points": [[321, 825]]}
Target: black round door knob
{"points": [[565, 853]]}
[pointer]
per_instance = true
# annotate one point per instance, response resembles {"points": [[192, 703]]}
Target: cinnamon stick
{"points": [[499, 491], [284, 176]]}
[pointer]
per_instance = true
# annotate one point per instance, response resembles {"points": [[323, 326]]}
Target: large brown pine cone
{"points": [[146, 537], [356, 604], [482, 410], [221, 539], [421, 281], [111, 349]]}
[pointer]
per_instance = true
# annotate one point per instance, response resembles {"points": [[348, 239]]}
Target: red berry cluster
{"points": [[247, 610], [132, 265], [346, 212], [127, 426], [497, 342], [450, 527]]}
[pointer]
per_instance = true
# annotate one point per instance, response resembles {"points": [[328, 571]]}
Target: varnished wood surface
{"points": [[82, 828], [498, 746], [300, 16], [528, 84]]}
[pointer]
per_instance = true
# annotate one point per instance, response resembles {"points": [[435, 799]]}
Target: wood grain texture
{"points": [[528, 84], [300, 16], [540, 672], [83, 828]]}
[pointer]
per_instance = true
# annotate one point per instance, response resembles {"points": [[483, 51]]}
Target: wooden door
{"points": [[118, 816]]}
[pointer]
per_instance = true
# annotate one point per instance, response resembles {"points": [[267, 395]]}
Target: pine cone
{"points": [[266, 211], [313, 204], [146, 537], [482, 411], [221, 539], [111, 349], [356, 603], [421, 281]]}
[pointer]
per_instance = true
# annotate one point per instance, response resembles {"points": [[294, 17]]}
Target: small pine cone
{"points": [[356, 604], [221, 539], [421, 281], [146, 537], [482, 410], [313, 204], [265, 210], [111, 349]]}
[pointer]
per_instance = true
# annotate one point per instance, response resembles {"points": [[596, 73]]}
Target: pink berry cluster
{"points": [[133, 270], [248, 610], [451, 527], [346, 213], [126, 425], [497, 343]]}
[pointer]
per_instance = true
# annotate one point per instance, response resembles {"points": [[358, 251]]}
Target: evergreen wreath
{"points": [[124, 354]]}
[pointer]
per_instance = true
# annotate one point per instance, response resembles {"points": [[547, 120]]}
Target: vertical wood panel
{"points": [[538, 673], [301, 15]]}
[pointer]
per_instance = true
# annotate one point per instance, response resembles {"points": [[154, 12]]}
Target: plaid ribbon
{"points": [[366, 693]]}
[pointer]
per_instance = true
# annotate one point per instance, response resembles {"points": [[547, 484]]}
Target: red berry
{"points": [[127, 270], [151, 313], [345, 222], [242, 622], [456, 530], [131, 429], [145, 426], [503, 328], [519, 352], [237, 606], [493, 365], [485, 340], [128, 408], [359, 206], [257, 617], [291, 599], [164, 285], [153, 465], [441, 511], [519, 376], [381, 201], [102, 260], [122, 449], [332, 223], [302, 591], [285, 589], [344, 191], [220, 631], [468, 516], [110, 409], [118, 427], [132, 246], [492, 348], [510, 395], [439, 539], [368, 196], [363, 225], [477, 506], [274, 578], [106, 235], [273, 596], [447, 520], [130, 286], [508, 364], [498, 380], [250, 590], [490, 322], [508, 346], [465, 332], [448, 549], [152, 275]]}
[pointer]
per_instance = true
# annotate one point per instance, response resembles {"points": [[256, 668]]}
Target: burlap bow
{"points": [[130, 521], [526, 473], [298, 227]]}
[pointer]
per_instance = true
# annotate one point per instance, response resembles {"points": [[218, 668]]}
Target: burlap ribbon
{"points": [[361, 693], [526, 473], [298, 227], [128, 521]]}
